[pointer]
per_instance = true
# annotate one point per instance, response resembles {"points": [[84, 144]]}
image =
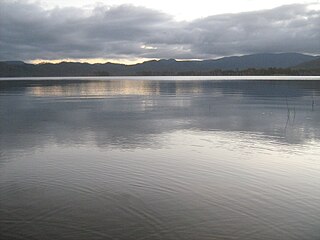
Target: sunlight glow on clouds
{"points": [[128, 61]]}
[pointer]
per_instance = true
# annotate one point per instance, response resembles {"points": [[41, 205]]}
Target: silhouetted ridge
{"points": [[255, 64]]}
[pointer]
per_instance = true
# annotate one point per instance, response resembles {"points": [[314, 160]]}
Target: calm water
{"points": [[158, 159]]}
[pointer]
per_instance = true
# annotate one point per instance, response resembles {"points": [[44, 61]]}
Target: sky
{"points": [[129, 31]]}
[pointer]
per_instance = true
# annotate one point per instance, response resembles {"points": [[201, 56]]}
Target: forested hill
{"points": [[256, 64], [311, 65]]}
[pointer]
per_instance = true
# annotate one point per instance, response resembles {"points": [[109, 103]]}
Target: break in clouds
{"points": [[28, 31]]}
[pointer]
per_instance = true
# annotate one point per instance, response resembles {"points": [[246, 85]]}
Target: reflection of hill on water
{"points": [[143, 87], [135, 113]]}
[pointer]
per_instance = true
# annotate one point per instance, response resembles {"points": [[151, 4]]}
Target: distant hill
{"points": [[227, 65], [313, 64], [267, 60], [282, 60]]}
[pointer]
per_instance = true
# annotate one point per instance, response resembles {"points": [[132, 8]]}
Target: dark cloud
{"points": [[28, 31]]}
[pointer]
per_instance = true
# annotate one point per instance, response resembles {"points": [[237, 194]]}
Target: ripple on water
{"points": [[124, 159]]}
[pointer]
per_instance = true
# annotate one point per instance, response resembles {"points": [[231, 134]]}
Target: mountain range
{"points": [[259, 64]]}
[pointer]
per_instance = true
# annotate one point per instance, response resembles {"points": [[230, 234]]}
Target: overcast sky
{"points": [[133, 31]]}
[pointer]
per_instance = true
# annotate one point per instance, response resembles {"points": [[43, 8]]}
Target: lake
{"points": [[160, 158]]}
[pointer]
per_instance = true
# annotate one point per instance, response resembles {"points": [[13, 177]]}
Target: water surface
{"points": [[159, 159]]}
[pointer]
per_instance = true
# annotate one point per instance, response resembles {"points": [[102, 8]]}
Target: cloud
{"points": [[28, 31]]}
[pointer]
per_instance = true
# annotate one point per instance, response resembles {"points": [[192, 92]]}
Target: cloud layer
{"points": [[29, 32]]}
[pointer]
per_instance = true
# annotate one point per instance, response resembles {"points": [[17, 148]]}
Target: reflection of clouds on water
{"points": [[130, 114]]}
